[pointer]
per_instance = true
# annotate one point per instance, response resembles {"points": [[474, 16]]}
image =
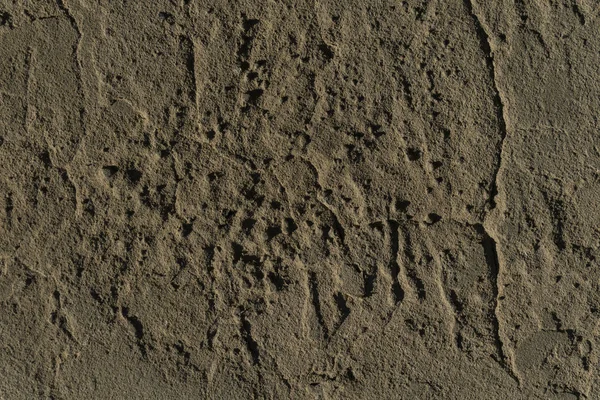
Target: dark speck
{"points": [[133, 175], [413, 154], [110, 170], [433, 218]]}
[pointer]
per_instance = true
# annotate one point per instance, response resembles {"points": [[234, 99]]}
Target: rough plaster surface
{"points": [[277, 199]]}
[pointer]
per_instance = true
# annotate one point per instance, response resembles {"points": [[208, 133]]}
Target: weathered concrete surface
{"points": [[299, 199]]}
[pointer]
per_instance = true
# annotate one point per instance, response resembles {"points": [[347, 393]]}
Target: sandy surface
{"points": [[284, 199]]}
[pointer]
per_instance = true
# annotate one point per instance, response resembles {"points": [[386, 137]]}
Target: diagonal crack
{"points": [[484, 43], [138, 329]]}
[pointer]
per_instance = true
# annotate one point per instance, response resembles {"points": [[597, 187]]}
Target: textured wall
{"points": [[324, 199]]}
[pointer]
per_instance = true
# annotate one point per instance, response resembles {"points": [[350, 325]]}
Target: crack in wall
{"points": [[397, 290], [316, 302], [251, 344], [489, 242], [485, 44], [64, 8], [490, 251]]}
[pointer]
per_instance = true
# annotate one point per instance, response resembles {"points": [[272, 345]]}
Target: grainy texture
{"points": [[299, 199]]}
